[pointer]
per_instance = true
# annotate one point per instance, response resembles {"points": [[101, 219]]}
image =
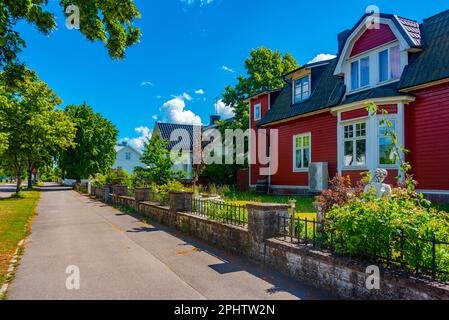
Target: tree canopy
{"points": [[94, 149], [109, 21], [32, 128]]}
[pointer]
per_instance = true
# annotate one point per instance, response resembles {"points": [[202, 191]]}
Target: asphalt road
{"points": [[120, 257]]}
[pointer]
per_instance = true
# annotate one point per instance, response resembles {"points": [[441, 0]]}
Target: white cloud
{"points": [[146, 83], [197, 2], [155, 117], [224, 110], [138, 143], [225, 68], [322, 57], [199, 91], [186, 96], [174, 112]]}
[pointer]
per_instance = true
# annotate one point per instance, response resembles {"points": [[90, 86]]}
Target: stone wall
{"points": [[342, 276]]}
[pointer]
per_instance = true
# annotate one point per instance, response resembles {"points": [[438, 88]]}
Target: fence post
{"points": [[263, 221], [142, 194], [107, 194], [180, 201]]}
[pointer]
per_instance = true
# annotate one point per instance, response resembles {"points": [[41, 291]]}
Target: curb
{"points": [[11, 269]]}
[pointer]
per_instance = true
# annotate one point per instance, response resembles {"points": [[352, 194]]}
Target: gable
{"points": [[373, 38]]}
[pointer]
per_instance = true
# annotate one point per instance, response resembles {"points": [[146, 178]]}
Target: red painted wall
{"points": [[427, 137], [373, 38], [263, 100], [323, 128]]}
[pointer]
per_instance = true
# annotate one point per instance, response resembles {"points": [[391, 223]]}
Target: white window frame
{"points": [[373, 54], [294, 89], [388, 49], [354, 140], [392, 117], [359, 72], [126, 156], [258, 106], [302, 135]]}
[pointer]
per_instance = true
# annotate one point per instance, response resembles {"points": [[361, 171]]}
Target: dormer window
{"points": [[390, 64], [301, 89], [360, 73]]}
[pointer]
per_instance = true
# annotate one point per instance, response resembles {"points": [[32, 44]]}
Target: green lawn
{"points": [[304, 204], [15, 216]]}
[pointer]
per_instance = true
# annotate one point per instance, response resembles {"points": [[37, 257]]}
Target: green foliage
{"points": [[95, 140], [108, 21], [159, 164], [113, 176], [395, 227], [36, 131]]}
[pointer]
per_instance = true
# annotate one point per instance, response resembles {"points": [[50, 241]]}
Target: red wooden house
{"points": [[321, 115]]}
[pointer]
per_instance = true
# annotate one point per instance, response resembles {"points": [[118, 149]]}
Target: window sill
{"points": [[300, 170], [355, 168]]}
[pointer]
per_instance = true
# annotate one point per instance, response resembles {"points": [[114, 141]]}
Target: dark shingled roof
{"points": [[388, 90], [185, 134], [433, 62], [430, 64], [328, 93]]}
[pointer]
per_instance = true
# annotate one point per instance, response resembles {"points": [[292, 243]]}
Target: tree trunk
{"points": [[19, 183], [30, 175]]}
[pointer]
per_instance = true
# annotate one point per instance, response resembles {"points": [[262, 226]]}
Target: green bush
{"points": [[398, 227]]}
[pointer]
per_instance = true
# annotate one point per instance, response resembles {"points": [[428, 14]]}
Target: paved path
{"points": [[6, 190], [119, 257]]}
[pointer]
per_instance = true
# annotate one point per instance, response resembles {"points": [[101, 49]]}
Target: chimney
{"points": [[214, 119], [342, 39]]}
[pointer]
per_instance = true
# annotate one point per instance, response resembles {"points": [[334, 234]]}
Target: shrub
{"points": [[340, 192], [397, 227]]}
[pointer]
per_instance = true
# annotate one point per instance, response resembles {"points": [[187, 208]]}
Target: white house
{"points": [[127, 158]]}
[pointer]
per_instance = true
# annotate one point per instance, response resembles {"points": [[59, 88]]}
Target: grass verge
{"points": [[15, 217]]}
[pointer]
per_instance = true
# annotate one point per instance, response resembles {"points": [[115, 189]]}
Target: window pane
{"points": [[386, 151], [306, 141], [383, 128], [348, 153], [298, 142], [349, 132], [383, 65], [395, 62], [306, 154], [354, 75], [361, 152], [305, 88], [298, 159], [364, 72], [360, 129]]}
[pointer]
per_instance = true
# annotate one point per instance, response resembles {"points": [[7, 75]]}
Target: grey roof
{"points": [[185, 134], [328, 92], [433, 62], [379, 92]]}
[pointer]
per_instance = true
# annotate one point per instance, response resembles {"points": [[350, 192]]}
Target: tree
{"points": [[35, 129], [95, 141], [159, 163], [109, 21], [264, 69]]}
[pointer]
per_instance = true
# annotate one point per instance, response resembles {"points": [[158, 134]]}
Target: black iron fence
{"points": [[425, 258], [221, 211]]}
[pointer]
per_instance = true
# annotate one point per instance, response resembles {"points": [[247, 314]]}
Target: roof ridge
{"points": [[436, 15]]}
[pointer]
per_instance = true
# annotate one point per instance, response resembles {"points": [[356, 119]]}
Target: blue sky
{"points": [[190, 50]]}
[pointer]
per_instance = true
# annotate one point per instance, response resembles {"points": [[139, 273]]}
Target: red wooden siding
{"points": [[323, 129], [427, 129], [263, 100], [355, 176], [362, 112], [373, 38]]}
